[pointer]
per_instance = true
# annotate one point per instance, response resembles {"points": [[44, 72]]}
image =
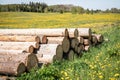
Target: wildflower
{"points": [[62, 72], [100, 76], [112, 78], [116, 75], [65, 73], [67, 78], [91, 66], [62, 78]]}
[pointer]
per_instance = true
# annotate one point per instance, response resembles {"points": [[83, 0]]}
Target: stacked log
{"points": [[12, 68], [50, 53], [30, 60], [28, 47]]}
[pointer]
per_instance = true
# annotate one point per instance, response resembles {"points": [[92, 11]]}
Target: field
{"points": [[100, 63], [55, 20]]}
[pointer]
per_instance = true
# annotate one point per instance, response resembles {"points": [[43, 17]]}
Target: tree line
{"points": [[44, 8]]}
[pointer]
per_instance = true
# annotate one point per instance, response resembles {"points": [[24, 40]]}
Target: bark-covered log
{"points": [[56, 32], [6, 77], [81, 40], [73, 33], [30, 60], [94, 40], [74, 42], [20, 38], [55, 40], [99, 37], [27, 48], [47, 58], [47, 32], [87, 42], [82, 47], [66, 44], [34, 44], [85, 33], [51, 49], [87, 48], [3, 51], [43, 39], [69, 55], [12, 68]]}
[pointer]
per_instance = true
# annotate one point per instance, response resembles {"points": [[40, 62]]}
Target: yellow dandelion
{"points": [[62, 72], [112, 79], [116, 75], [100, 76], [67, 78], [62, 78], [65, 73]]}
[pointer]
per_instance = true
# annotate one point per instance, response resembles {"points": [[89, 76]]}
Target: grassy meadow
{"points": [[55, 20], [102, 62]]}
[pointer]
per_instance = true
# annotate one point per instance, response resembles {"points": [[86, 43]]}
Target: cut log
{"points": [[74, 42], [85, 33], [20, 38], [43, 39], [87, 42], [6, 77], [87, 48], [55, 40], [47, 58], [73, 33], [47, 32], [7, 52], [94, 40], [76, 49], [81, 40], [12, 68], [51, 49], [30, 60], [99, 37], [25, 48], [69, 55], [66, 45], [82, 47], [57, 32], [34, 44]]}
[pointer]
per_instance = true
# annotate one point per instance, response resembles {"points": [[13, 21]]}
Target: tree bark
{"points": [[47, 32], [26, 48], [34, 44], [66, 45], [3, 51], [58, 32], [85, 33], [51, 49], [55, 40], [81, 40], [47, 58], [99, 37], [74, 42], [87, 42], [20, 38], [43, 39], [87, 48], [69, 55], [12, 68], [94, 40], [73, 32], [30, 60]]}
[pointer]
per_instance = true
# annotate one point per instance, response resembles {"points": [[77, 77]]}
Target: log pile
{"points": [[22, 49]]}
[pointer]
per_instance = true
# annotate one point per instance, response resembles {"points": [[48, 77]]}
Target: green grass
{"points": [[100, 63]]}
